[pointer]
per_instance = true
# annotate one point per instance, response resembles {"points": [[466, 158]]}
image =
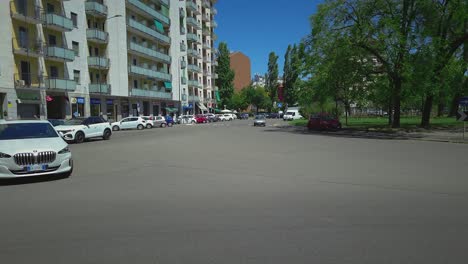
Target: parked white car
{"points": [[228, 117], [292, 115], [186, 119], [221, 117], [32, 148], [129, 123], [77, 130]]}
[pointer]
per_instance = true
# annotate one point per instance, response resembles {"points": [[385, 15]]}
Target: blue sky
{"points": [[257, 27]]}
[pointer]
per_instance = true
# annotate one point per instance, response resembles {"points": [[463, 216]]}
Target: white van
{"points": [[292, 114]]}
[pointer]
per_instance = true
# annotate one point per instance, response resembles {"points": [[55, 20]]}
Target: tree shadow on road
{"points": [[31, 180], [344, 133]]}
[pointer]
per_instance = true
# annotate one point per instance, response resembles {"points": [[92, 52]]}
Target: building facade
{"points": [[105, 57], [240, 64]]}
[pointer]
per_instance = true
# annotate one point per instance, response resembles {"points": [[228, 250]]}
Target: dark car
{"points": [[211, 118], [323, 122], [273, 115], [244, 116]]}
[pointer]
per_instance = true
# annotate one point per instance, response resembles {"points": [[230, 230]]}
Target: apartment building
{"points": [[240, 64], [105, 57]]}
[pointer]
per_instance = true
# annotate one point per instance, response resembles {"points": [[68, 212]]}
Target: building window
{"points": [[76, 76], [74, 18], [76, 48], [53, 72], [135, 84]]}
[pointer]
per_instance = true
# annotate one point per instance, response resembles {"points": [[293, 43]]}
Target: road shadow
{"points": [[31, 180], [343, 133]]}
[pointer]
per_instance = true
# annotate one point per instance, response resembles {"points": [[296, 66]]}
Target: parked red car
{"points": [[201, 119], [323, 122]]}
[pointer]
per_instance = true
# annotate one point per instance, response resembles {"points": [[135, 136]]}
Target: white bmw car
{"points": [[32, 148]]}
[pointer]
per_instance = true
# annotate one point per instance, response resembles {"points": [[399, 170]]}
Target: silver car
{"points": [[259, 120]]}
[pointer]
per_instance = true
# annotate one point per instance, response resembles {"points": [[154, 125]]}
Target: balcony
{"points": [[183, 64], [214, 36], [206, 17], [58, 22], [193, 22], [215, 76], [165, 2], [206, 59], [206, 32], [193, 98], [60, 84], [146, 10], [100, 88], [183, 80], [206, 4], [214, 11], [193, 68], [59, 54], [194, 83], [183, 47], [193, 37], [31, 14], [207, 73], [183, 30], [181, 13], [193, 7], [98, 62], [27, 80], [214, 62], [149, 73], [145, 31], [97, 36], [150, 93], [95, 9], [214, 24], [148, 53], [206, 46], [193, 53], [26, 49]]}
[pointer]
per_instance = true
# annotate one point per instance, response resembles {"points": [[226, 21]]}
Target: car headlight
{"points": [[4, 156], [67, 131], [65, 150]]}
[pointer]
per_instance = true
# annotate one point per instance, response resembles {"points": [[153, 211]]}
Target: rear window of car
{"points": [[26, 131]]}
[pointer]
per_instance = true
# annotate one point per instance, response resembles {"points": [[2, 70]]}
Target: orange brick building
{"points": [[240, 63]]}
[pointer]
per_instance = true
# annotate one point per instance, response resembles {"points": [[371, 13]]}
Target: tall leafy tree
{"points": [[256, 96], [272, 79], [225, 74], [290, 74]]}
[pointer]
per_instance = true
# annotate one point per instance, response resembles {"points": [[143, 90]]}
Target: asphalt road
{"points": [[233, 193]]}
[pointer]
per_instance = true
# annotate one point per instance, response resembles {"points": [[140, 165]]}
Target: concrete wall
{"points": [[7, 66]]}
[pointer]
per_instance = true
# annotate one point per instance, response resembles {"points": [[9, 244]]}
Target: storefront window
{"points": [[78, 110], [95, 106], [110, 109]]}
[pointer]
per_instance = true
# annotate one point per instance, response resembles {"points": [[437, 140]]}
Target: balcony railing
{"points": [[206, 4], [149, 73], [193, 22], [193, 53], [27, 48], [165, 2], [27, 80], [206, 59], [206, 46], [214, 11], [150, 11], [192, 6], [102, 88], [59, 53], [206, 32], [149, 52], [193, 68], [192, 37], [150, 93], [60, 84], [29, 14], [59, 22], [183, 80], [194, 83], [207, 73], [148, 31], [97, 35], [183, 30], [95, 8], [98, 62], [193, 98], [206, 17], [183, 64]]}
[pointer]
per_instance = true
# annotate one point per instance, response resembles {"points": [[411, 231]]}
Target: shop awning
{"points": [[171, 109], [202, 107], [168, 85], [218, 98]]}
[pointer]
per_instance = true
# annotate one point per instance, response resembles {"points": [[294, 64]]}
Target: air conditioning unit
{"points": [[20, 83]]}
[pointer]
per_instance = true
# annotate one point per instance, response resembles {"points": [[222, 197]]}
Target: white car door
{"points": [[124, 123]]}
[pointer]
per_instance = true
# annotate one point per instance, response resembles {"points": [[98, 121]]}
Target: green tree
{"points": [[272, 79], [256, 96], [290, 75], [225, 74], [238, 101]]}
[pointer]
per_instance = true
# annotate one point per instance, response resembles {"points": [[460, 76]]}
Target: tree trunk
{"points": [[426, 115], [390, 113], [396, 103]]}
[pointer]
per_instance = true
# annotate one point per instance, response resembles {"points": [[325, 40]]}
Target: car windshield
{"points": [[290, 113], [259, 117], [73, 122], [26, 130]]}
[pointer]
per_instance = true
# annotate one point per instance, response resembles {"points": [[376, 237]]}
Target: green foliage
{"points": [[225, 74], [238, 101], [272, 78], [292, 64], [256, 96]]}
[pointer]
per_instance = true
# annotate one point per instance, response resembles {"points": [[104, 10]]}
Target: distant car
{"points": [[32, 148], [259, 120], [56, 122], [186, 119], [274, 115], [244, 116], [201, 119], [292, 115], [221, 117], [78, 129], [323, 122], [129, 123], [228, 117], [211, 117], [169, 121]]}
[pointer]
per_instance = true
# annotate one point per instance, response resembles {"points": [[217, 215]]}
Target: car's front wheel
{"points": [[140, 127], [149, 126], [79, 137], [115, 128], [163, 125], [107, 134]]}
